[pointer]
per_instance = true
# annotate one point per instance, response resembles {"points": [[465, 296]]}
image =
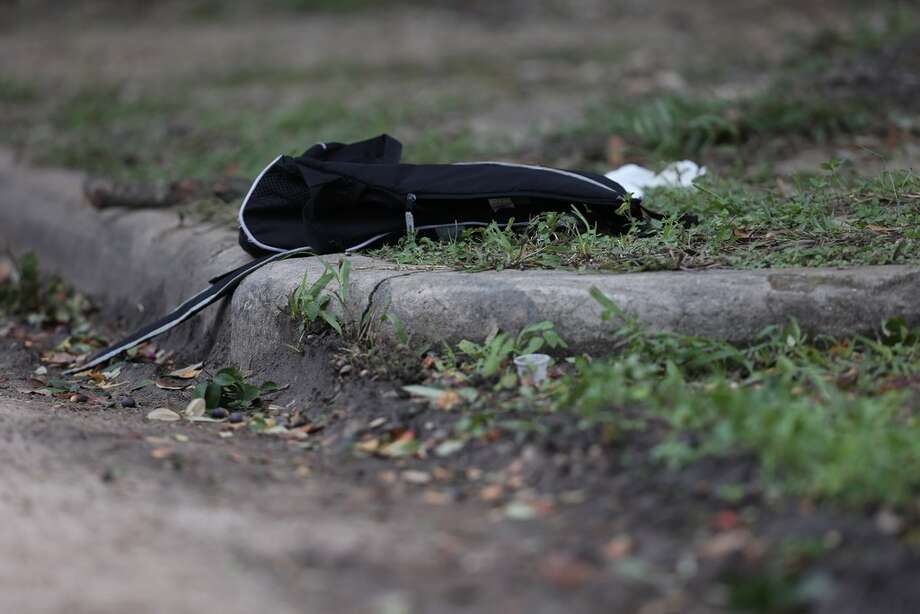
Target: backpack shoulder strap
{"points": [[220, 287]]}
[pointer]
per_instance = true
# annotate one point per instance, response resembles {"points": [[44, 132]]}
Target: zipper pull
{"points": [[410, 219]]}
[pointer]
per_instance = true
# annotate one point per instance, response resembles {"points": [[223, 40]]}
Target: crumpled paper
{"points": [[636, 179]]}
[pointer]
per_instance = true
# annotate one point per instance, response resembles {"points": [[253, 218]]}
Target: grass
{"points": [[146, 137], [833, 420], [833, 219]]}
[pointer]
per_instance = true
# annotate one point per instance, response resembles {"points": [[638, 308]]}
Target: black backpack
{"points": [[340, 198]]}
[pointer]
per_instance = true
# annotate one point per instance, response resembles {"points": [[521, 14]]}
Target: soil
{"points": [[107, 511]]}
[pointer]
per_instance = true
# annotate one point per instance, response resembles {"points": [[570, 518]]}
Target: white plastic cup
{"points": [[532, 367]]}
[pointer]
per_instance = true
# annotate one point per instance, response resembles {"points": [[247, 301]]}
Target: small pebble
{"points": [[128, 402], [219, 413], [236, 417]]}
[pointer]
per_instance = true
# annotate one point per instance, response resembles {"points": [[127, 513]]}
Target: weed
{"points": [[230, 390], [825, 418], [493, 355], [40, 299], [831, 219], [309, 302]]}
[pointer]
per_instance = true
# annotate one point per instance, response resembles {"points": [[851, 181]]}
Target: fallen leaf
{"points": [[166, 384], [565, 570], [618, 547], [195, 408], [163, 414], [160, 453], [491, 492], [448, 400], [204, 419], [401, 447], [725, 543], [58, 358], [140, 385], [520, 510], [181, 438], [726, 520], [368, 446], [416, 477], [451, 446], [189, 372], [436, 497]]}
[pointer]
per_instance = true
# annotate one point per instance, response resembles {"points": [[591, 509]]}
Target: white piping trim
{"points": [[544, 168], [245, 228]]}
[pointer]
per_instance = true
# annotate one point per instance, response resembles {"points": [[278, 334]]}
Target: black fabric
{"points": [[221, 286], [334, 197], [337, 197]]}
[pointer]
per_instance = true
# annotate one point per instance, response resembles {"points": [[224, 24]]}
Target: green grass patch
{"points": [[674, 127], [146, 137], [834, 219], [823, 418]]}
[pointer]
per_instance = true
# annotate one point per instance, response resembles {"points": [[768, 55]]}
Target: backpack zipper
{"points": [[410, 218]]}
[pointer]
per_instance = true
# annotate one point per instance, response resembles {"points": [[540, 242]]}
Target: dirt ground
{"points": [[106, 512]]}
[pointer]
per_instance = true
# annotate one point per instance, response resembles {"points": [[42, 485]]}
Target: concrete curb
{"points": [[141, 263]]}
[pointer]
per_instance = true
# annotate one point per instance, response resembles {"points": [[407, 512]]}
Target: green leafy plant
{"points": [[827, 418], [230, 390], [309, 303], [41, 299], [494, 354]]}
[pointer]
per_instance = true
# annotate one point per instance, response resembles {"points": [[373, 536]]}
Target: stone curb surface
{"points": [[140, 263]]}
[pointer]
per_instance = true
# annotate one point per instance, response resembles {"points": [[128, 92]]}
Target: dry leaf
{"points": [[416, 477], [166, 384], [368, 446], [163, 414], [58, 358], [160, 453], [189, 372], [619, 547], [195, 408]]}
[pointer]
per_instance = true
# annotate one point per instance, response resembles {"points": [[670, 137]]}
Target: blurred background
{"points": [[146, 90]]}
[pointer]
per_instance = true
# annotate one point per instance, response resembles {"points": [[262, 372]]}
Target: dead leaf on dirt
{"points": [[726, 520], [725, 543], [619, 547], [171, 384], [195, 408], [368, 446], [416, 477], [447, 400], [436, 497], [160, 453], [403, 446], [163, 414], [448, 447], [58, 358], [492, 492], [565, 570], [189, 372]]}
